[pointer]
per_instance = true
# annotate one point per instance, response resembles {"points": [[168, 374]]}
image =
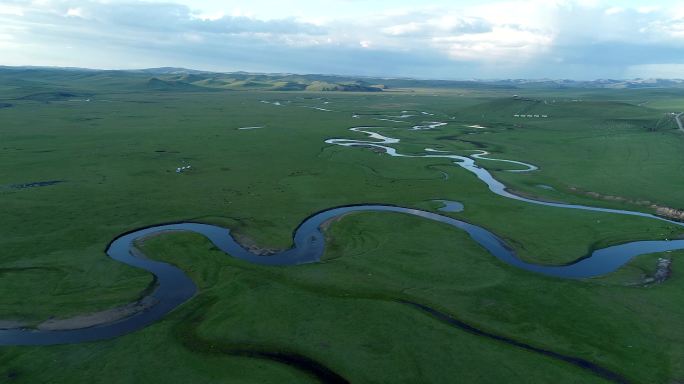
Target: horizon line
{"points": [[475, 80]]}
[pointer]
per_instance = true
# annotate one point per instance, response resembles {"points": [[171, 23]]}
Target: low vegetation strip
{"points": [[578, 362], [187, 333]]}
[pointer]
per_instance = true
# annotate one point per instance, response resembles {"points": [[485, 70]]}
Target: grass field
{"points": [[115, 157]]}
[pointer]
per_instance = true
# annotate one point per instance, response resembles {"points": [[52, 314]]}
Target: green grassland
{"points": [[116, 156]]}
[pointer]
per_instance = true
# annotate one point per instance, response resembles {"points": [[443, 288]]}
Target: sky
{"points": [[431, 39]]}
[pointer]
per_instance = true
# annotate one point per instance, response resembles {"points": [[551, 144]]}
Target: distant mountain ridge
{"points": [[175, 79], [599, 83]]}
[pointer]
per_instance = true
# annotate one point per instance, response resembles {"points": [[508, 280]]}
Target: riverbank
{"points": [[83, 321]]}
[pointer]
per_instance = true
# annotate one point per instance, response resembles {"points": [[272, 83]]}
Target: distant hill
{"points": [[167, 71], [184, 80], [357, 86], [157, 84], [50, 84], [50, 96], [593, 84]]}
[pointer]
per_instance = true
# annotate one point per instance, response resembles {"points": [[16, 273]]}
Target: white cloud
{"points": [[74, 12], [501, 43], [211, 16], [403, 29], [492, 35], [11, 10], [648, 9], [614, 10]]}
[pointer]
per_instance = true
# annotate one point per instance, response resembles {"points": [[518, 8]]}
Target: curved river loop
{"points": [[174, 287]]}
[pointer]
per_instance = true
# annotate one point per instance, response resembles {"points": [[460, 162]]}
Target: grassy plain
{"points": [[117, 154]]}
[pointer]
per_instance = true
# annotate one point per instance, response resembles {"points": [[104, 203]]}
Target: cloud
{"points": [[496, 38], [502, 43], [438, 26], [155, 17], [74, 12], [614, 10], [143, 17]]}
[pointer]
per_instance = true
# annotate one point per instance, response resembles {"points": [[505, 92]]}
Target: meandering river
{"points": [[468, 163], [175, 287]]}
